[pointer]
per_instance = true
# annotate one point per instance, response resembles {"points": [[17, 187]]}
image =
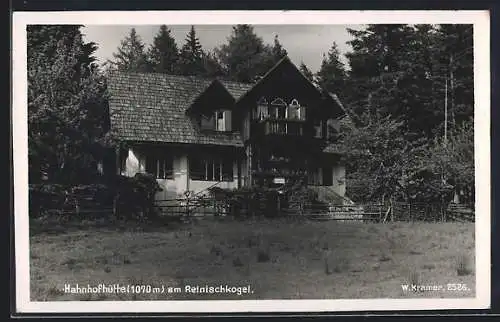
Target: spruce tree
{"points": [[191, 55], [306, 71], [245, 57], [332, 74], [130, 55], [163, 55]]}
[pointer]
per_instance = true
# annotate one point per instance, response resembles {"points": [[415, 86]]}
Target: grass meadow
{"points": [[279, 259]]}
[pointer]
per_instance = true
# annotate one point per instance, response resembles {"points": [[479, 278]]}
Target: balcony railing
{"points": [[281, 127]]}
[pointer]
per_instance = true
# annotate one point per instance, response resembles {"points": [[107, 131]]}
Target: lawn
{"points": [[278, 259]]}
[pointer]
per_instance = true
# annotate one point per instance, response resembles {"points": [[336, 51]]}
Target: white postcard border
{"points": [[480, 20]]}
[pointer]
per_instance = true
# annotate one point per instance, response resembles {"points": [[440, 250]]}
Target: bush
{"points": [[135, 196], [249, 201], [54, 198], [44, 198], [266, 202]]}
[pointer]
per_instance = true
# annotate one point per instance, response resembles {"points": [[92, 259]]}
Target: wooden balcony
{"points": [[282, 127]]}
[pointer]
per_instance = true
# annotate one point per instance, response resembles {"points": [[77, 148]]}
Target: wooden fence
{"points": [[366, 212], [208, 206]]}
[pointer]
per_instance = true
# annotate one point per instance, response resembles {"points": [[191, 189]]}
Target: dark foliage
{"points": [[124, 197]]}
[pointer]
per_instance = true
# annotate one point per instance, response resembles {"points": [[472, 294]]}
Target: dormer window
{"points": [[223, 120], [219, 120]]}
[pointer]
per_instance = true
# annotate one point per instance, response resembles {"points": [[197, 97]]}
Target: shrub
{"points": [[249, 201], [135, 196], [44, 198], [54, 198], [131, 197], [302, 199]]}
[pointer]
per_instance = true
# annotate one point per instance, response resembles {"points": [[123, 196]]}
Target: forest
{"points": [[408, 90]]}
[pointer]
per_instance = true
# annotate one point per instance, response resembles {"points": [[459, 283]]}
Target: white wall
{"points": [[176, 187], [135, 163], [339, 179]]}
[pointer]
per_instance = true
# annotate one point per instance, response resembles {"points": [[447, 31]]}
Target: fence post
{"points": [[409, 211]]}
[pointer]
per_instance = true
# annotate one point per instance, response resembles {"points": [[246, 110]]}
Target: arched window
{"points": [[296, 111], [278, 109]]}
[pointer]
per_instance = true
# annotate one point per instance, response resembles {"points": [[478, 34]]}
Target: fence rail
{"points": [[366, 212], [209, 206]]}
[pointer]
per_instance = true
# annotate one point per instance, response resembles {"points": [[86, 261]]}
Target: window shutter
{"points": [[227, 119]]}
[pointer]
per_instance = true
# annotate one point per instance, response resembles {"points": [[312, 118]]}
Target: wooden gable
{"points": [[214, 97], [212, 109], [283, 81]]}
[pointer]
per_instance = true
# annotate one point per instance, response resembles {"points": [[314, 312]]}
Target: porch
{"points": [[181, 169]]}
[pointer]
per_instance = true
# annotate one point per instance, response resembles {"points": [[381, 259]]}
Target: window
{"points": [[207, 122], [278, 109], [223, 120], [219, 116], [318, 129], [217, 121], [293, 110], [211, 169], [261, 112], [197, 168], [160, 166]]}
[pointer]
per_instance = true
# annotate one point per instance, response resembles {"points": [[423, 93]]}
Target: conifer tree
{"points": [[332, 74], [130, 55], [306, 71], [163, 55], [191, 55]]}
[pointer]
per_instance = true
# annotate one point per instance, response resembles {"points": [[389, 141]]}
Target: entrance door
{"points": [[327, 176]]}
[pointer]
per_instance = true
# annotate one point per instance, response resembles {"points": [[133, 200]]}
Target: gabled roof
{"points": [[152, 107], [215, 91], [282, 62]]}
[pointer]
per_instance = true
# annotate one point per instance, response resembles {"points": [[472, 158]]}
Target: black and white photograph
{"points": [[251, 162]]}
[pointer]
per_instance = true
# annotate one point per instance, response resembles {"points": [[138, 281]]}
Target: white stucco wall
{"points": [[135, 163], [339, 179], [176, 187]]}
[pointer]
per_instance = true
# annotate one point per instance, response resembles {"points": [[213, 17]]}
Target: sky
{"points": [[304, 43]]}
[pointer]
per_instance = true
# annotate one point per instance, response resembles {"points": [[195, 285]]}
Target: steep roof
{"points": [[282, 63], [152, 107]]}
